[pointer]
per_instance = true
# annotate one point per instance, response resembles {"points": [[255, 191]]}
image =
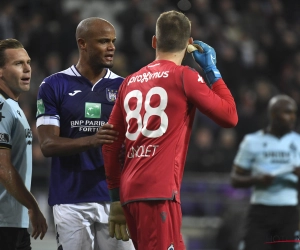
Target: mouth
{"points": [[109, 57], [25, 80]]}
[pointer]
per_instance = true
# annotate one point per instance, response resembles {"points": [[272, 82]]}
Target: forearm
{"points": [[242, 181], [62, 146], [112, 165], [224, 110], [14, 185]]}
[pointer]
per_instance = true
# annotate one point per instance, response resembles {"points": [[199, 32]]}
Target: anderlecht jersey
{"points": [[16, 136], [154, 113], [263, 153], [70, 101]]}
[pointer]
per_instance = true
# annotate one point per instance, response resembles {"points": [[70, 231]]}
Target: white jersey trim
{"points": [[48, 120]]}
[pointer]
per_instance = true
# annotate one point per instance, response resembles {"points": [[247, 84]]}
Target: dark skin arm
{"points": [[53, 145], [297, 171], [14, 185], [241, 178]]}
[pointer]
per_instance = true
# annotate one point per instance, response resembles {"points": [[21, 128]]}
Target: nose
{"points": [[111, 46], [27, 67]]}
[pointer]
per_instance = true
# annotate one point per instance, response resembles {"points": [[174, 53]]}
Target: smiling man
{"points": [[17, 204], [72, 109]]}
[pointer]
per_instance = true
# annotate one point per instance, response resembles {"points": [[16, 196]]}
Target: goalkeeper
{"points": [[154, 116]]}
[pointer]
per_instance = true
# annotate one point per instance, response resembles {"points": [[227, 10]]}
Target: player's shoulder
{"points": [[3, 103], [112, 78], [7, 105], [60, 77], [111, 75], [295, 135], [255, 136]]}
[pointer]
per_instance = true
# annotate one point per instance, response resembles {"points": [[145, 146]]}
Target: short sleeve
{"points": [[6, 125], [47, 104], [245, 155]]}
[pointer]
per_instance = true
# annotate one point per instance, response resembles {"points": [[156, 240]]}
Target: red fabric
{"points": [[154, 224], [155, 108]]}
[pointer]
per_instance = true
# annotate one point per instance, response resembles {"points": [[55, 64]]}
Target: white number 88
{"points": [[150, 111]]}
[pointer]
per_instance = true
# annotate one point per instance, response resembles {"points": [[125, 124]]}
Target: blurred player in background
{"points": [[154, 113], [17, 204], [72, 109], [269, 161]]}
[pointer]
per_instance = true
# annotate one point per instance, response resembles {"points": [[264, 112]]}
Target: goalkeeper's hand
{"points": [[207, 60], [117, 222]]}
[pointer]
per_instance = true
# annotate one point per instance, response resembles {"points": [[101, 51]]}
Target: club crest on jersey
{"points": [[111, 94], [171, 247], [92, 110]]}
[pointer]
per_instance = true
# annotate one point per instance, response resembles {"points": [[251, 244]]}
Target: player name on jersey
{"points": [[142, 151]]}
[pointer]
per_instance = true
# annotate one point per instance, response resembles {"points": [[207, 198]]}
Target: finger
{"points": [[106, 141], [37, 235], [124, 233], [118, 232], [107, 126], [44, 230], [111, 229], [108, 132], [128, 232], [34, 232], [198, 47]]}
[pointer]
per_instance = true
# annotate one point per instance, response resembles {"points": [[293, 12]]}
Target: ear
{"points": [[191, 40], [81, 43], [154, 42]]}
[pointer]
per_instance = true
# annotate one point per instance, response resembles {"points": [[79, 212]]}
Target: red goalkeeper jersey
{"points": [[154, 113]]}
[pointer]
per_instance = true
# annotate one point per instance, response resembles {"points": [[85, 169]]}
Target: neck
{"points": [[277, 132], [175, 57], [8, 93], [90, 73]]}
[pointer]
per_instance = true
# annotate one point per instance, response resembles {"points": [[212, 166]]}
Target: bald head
{"points": [[282, 111], [87, 27], [278, 101]]}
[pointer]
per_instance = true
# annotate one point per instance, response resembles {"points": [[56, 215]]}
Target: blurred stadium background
{"points": [[258, 53]]}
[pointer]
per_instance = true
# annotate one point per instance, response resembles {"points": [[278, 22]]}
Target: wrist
{"points": [[212, 75], [114, 194]]}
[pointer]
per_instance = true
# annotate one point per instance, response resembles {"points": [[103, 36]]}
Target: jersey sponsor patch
{"points": [[111, 94], [4, 138], [92, 110], [40, 107]]}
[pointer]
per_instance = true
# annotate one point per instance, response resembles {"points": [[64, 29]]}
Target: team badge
{"points": [[40, 107], [92, 110], [163, 216], [171, 247], [111, 94]]}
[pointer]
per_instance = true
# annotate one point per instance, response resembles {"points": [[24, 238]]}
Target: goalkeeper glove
{"points": [[117, 222], [207, 60]]}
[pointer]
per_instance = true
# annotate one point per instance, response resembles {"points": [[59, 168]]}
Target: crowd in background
{"points": [[257, 45]]}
